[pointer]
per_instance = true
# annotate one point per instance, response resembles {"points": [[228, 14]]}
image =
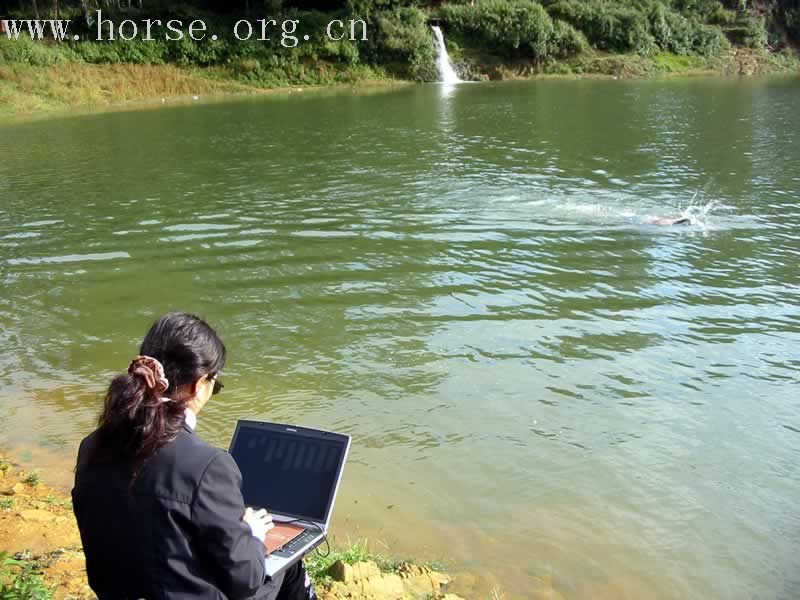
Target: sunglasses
{"points": [[218, 385]]}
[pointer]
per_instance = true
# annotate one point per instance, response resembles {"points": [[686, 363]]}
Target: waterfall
{"points": [[446, 71]]}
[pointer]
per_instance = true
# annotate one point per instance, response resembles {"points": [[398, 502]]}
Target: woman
{"points": [[159, 510]]}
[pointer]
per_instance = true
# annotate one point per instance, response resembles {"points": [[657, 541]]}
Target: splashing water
{"points": [[619, 211], [446, 71], [697, 212]]}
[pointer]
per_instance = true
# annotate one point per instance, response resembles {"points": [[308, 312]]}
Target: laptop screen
{"points": [[288, 470]]}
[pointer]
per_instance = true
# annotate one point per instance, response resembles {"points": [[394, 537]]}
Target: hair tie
{"points": [[151, 371]]}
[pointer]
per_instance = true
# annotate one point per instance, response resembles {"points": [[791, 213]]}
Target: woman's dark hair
{"points": [[135, 421]]}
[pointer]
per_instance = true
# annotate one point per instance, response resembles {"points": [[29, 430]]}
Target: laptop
{"points": [[294, 473]]}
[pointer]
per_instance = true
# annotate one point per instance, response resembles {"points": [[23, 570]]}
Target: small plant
{"points": [[318, 564], [32, 479], [56, 501], [4, 465], [496, 594], [6, 503], [20, 580]]}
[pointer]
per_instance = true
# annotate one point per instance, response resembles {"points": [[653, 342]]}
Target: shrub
{"points": [[141, 52], [755, 33], [566, 41], [96, 52], [33, 478], [342, 50], [681, 34], [645, 25], [791, 17], [513, 28], [709, 40], [684, 36], [28, 52], [403, 36], [20, 580], [660, 25], [635, 33], [206, 52], [749, 31], [606, 25], [719, 15]]}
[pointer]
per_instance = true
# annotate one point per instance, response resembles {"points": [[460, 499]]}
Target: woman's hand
{"points": [[260, 522]]}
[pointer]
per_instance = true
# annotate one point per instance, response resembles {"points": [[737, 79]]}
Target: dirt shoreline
{"points": [[39, 531]]}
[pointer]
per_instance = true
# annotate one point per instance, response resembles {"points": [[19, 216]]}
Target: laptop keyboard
{"points": [[289, 548]]}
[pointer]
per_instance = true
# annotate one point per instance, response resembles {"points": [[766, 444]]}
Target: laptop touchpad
{"points": [[281, 534]]}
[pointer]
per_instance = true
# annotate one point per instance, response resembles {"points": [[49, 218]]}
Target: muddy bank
{"points": [[38, 529]]}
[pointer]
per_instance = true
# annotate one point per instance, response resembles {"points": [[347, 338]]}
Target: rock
{"points": [[19, 488], [336, 591], [340, 571], [365, 581], [345, 573], [548, 594], [388, 586], [37, 516], [422, 581], [467, 581]]}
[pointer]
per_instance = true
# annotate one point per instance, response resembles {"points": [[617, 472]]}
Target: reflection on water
{"points": [[544, 389]]}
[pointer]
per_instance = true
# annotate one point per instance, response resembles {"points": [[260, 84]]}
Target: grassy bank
{"points": [[41, 557], [29, 89]]}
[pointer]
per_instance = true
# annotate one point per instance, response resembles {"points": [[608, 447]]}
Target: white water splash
{"points": [[615, 211], [698, 213], [446, 71]]}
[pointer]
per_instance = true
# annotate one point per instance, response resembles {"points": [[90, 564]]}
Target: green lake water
{"points": [[545, 391]]}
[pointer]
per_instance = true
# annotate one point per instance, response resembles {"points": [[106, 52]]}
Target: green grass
{"points": [[32, 479], [675, 63], [35, 89], [56, 501], [787, 60], [20, 579], [318, 564]]}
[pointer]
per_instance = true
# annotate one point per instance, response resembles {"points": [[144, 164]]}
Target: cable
{"points": [[327, 545]]}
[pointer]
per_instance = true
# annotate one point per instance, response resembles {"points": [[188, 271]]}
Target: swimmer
{"points": [[670, 221]]}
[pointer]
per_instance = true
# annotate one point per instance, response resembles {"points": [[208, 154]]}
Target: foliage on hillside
{"points": [[400, 42]]}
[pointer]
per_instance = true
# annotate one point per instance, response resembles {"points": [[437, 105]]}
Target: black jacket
{"points": [[176, 533]]}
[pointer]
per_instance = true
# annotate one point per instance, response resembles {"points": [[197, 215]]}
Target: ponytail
{"points": [[139, 416], [136, 421]]}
